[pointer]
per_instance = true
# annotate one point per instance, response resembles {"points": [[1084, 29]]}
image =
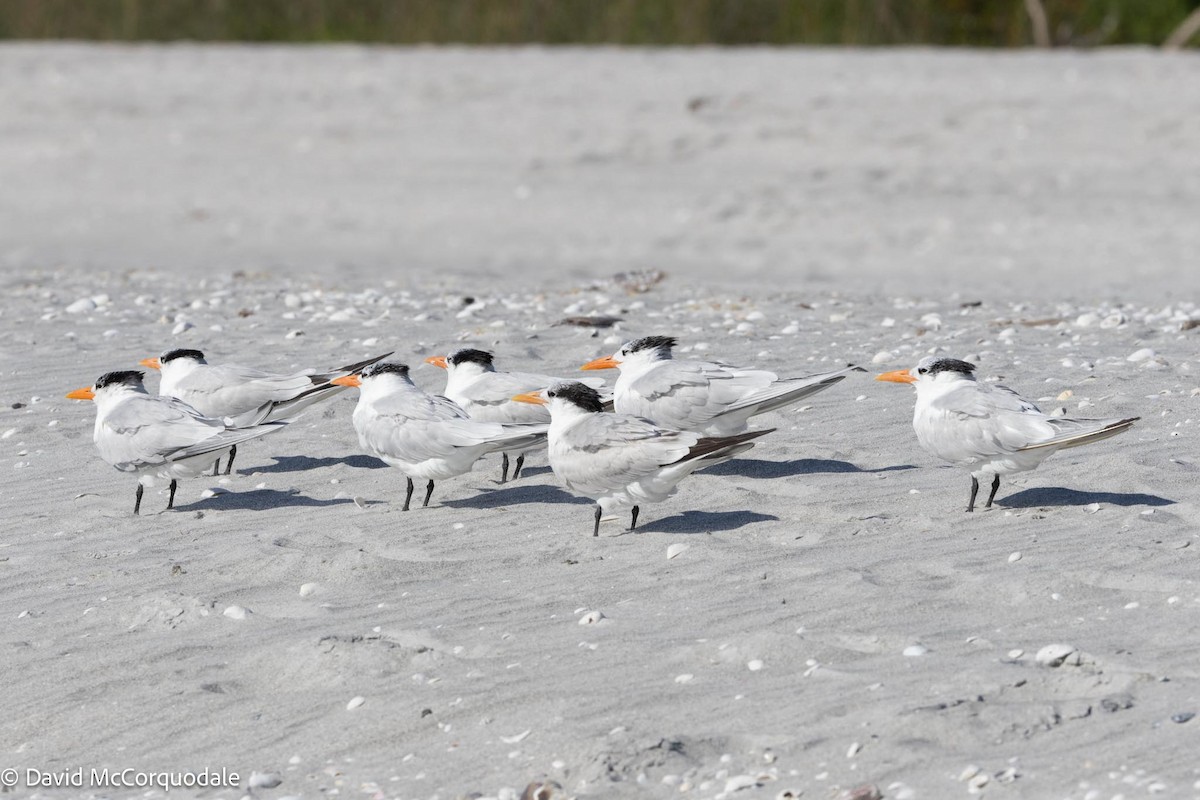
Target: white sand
{"points": [[812, 208]]}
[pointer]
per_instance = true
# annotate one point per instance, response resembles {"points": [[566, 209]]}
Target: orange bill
{"points": [[437, 361], [899, 376], [85, 393], [608, 362], [530, 397], [152, 363], [347, 380]]}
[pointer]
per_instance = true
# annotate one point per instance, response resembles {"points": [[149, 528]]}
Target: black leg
{"points": [[137, 505], [633, 522], [408, 495], [504, 468], [974, 491], [995, 486], [520, 463], [217, 467], [171, 499], [229, 463], [596, 529], [428, 494]]}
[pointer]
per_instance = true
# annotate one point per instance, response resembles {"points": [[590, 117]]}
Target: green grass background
{"points": [[972, 23]]}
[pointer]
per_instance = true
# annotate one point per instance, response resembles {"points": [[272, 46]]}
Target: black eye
{"points": [[922, 371], [549, 394]]}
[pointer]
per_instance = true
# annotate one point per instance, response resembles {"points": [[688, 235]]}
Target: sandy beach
{"points": [[833, 620]]}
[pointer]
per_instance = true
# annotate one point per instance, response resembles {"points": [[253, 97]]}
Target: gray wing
{"points": [[417, 429], [689, 393], [490, 397], [230, 389], [982, 420], [144, 430], [608, 451]]}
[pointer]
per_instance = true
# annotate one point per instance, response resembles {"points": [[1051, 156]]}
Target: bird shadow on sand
{"points": [[303, 463], [533, 472], [260, 500], [761, 468], [1058, 496], [511, 495], [703, 522]]}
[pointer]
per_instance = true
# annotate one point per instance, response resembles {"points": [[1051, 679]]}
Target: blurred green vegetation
{"points": [[972, 23]]}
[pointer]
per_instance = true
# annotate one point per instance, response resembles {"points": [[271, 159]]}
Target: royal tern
{"points": [[620, 460], [426, 436], [703, 396], [486, 394], [157, 437], [244, 396], [987, 429]]}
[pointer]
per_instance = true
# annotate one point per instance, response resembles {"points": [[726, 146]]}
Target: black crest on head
{"points": [[472, 356], [386, 367], [583, 396], [951, 365], [171, 355], [650, 343], [130, 377]]}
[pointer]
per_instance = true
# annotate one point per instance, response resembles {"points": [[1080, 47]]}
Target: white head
{"points": [[111, 387], [932, 373], [566, 398], [463, 364], [379, 379], [175, 362], [646, 350]]}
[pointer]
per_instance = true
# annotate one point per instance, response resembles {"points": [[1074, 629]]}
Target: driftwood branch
{"points": [[1041, 27], [1186, 30]]}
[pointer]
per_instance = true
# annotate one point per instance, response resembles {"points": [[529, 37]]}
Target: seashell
{"points": [[685, 678], [739, 782], [1141, 355], [355, 702], [81, 306], [264, 780], [754, 665], [236, 612], [592, 618], [308, 589], [1015, 557], [853, 750], [675, 549], [1054, 655], [516, 737], [548, 790], [914, 650]]}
